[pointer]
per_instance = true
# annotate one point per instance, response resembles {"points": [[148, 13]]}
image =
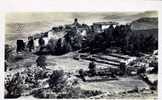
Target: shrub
{"points": [[57, 80], [13, 86], [41, 61], [8, 51]]}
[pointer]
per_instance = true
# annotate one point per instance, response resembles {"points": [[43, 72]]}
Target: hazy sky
{"points": [[83, 17]]}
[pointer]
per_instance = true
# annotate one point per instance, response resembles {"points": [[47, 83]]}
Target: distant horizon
{"points": [[25, 24], [83, 17]]}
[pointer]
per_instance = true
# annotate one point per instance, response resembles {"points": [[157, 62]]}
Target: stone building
{"points": [[99, 27]]}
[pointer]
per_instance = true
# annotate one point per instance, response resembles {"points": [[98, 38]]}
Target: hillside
{"points": [[145, 23]]}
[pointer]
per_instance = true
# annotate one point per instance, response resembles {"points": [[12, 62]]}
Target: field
{"points": [[109, 87]]}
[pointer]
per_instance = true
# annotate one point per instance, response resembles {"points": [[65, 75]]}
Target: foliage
{"points": [[155, 65], [41, 61], [57, 80], [13, 86], [122, 36], [8, 51], [26, 79]]}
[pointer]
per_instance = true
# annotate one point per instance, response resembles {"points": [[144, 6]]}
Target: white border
{"points": [[7, 6]]}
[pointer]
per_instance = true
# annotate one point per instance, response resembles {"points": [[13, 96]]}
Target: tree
{"points": [[123, 68], [14, 86], [92, 68], [58, 48], [82, 74], [41, 61], [149, 43], [8, 51], [108, 35], [57, 80]]}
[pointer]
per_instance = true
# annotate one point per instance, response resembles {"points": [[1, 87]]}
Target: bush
{"points": [[57, 80], [89, 93], [13, 86], [8, 51], [41, 61], [155, 65], [40, 93], [62, 85]]}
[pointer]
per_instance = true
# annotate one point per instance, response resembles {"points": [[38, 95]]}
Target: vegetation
{"points": [[13, 86], [57, 81], [8, 51], [122, 36], [41, 61]]}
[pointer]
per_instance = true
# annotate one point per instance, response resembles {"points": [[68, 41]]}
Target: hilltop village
{"points": [[75, 60]]}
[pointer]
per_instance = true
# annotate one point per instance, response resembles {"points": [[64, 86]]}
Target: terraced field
{"points": [[68, 64]]}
